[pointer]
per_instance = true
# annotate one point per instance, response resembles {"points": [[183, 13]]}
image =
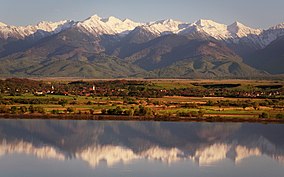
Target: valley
{"points": [[160, 100]]}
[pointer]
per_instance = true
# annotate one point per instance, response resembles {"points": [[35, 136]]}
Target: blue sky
{"points": [[255, 13]]}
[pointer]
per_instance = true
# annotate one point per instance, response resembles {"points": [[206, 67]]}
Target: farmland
{"points": [[239, 99]]}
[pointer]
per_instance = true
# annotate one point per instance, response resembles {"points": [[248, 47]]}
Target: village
{"points": [[180, 98]]}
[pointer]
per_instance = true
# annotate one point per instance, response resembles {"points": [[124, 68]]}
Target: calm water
{"points": [[139, 149]]}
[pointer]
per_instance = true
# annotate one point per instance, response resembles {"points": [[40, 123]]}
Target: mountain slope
{"points": [[207, 67], [77, 65], [181, 56], [270, 59]]}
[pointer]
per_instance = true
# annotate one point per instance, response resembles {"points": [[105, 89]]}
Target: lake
{"points": [[33, 148]]}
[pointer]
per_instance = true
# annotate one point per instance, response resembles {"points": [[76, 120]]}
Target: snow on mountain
{"points": [[238, 30], [165, 27], [119, 26], [232, 33], [95, 25], [214, 29], [272, 34], [20, 32], [54, 27], [2, 24]]}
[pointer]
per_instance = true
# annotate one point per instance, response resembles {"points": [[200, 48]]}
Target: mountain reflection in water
{"points": [[124, 142]]}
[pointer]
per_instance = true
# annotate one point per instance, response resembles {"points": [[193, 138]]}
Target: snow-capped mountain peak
{"points": [[272, 34], [119, 26], [2, 24], [95, 25], [94, 17], [220, 31], [54, 26], [42, 28], [111, 19], [167, 22], [239, 30], [214, 29], [279, 26], [165, 27], [208, 24]]}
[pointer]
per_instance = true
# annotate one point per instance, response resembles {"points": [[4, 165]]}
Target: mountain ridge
{"points": [[115, 26], [165, 48]]}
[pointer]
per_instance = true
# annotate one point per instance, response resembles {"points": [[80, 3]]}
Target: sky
{"points": [[254, 13]]}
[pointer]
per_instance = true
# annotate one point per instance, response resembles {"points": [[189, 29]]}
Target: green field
{"points": [[178, 98]]}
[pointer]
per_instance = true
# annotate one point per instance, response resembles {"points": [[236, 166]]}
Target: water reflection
{"points": [[112, 143]]}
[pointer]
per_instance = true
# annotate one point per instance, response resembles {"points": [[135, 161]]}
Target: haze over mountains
{"points": [[112, 48]]}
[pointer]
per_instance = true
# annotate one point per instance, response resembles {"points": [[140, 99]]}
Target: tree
{"points": [[210, 103], [40, 110], [245, 105], [55, 111], [23, 109], [149, 112], [103, 111], [280, 116], [62, 103], [201, 113], [31, 109], [255, 105], [14, 110]]}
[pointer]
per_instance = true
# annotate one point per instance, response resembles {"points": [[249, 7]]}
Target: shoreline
{"points": [[137, 118]]}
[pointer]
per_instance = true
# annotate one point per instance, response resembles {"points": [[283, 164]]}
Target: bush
{"points": [[129, 112], [194, 114], [144, 111], [264, 115], [280, 116], [183, 114], [40, 110], [62, 103], [70, 110], [55, 111], [104, 111], [209, 103], [92, 111], [116, 111], [89, 103]]}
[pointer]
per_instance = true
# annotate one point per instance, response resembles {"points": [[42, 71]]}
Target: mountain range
{"points": [[114, 48], [114, 142]]}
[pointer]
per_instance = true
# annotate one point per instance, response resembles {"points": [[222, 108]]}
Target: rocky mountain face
{"points": [[165, 48]]}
